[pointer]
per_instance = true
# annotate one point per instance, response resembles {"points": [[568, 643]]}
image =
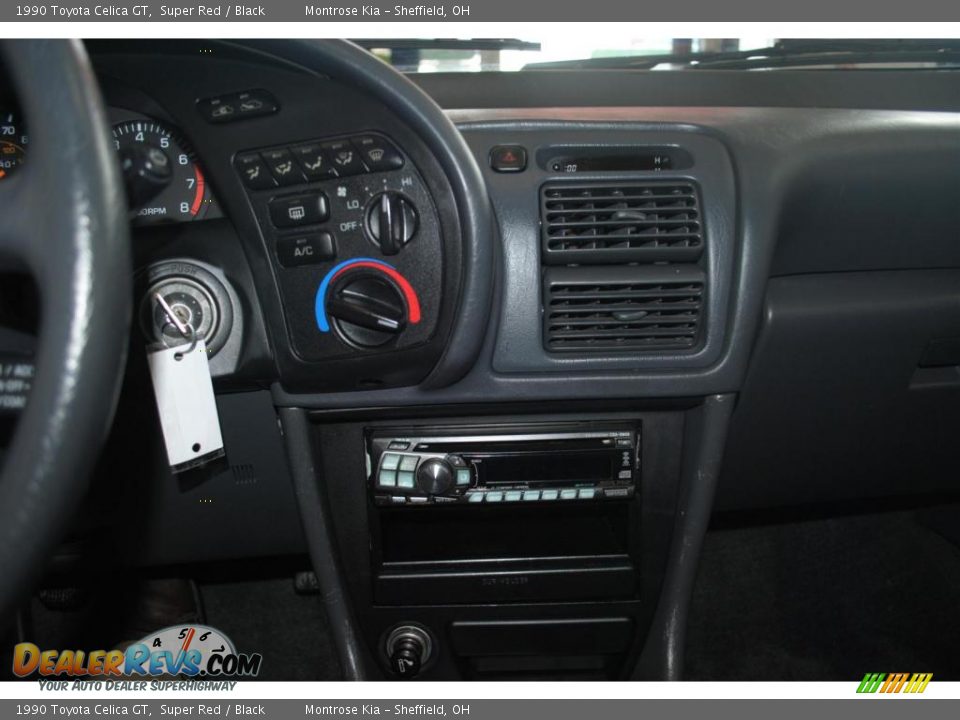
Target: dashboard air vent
{"points": [[623, 308], [642, 222]]}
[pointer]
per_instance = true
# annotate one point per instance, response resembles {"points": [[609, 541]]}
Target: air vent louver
{"points": [[643, 222], [622, 308]]}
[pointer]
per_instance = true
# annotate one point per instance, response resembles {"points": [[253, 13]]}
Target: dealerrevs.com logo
{"points": [[191, 651], [889, 683]]}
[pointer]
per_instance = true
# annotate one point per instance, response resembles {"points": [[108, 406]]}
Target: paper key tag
{"points": [[188, 409]]}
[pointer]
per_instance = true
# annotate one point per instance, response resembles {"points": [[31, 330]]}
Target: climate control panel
{"points": [[355, 239]]}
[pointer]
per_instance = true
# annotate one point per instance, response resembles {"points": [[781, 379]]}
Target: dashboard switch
{"points": [[237, 106], [254, 172], [297, 210], [391, 221], [345, 157], [283, 167], [508, 158], [255, 103], [315, 164], [305, 249], [377, 153]]}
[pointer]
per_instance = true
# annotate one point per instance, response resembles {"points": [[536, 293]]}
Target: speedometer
{"points": [[13, 144], [163, 180]]}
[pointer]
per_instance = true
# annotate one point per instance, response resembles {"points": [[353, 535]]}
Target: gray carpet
{"points": [[826, 600], [268, 617]]}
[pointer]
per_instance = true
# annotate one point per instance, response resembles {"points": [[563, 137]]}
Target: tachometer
{"points": [[163, 180], [13, 144]]}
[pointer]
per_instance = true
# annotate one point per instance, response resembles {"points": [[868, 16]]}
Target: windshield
{"points": [[628, 51]]}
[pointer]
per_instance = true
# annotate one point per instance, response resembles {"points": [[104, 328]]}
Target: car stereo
{"points": [[477, 468]]}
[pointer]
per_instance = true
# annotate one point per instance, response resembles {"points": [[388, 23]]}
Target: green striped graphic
{"points": [[871, 682]]}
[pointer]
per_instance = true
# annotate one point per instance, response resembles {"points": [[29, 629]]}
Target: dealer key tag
{"points": [[185, 400]]}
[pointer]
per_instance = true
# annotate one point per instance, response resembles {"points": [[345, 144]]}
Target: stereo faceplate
{"points": [[488, 469]]}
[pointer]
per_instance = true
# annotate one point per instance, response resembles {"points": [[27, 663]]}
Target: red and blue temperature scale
{"points": [[409, 294]]}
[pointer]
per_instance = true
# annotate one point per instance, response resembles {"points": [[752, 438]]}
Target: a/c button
{"points": [[297, 250]]}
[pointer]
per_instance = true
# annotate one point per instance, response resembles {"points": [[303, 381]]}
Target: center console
{"points": [[497, 547]]}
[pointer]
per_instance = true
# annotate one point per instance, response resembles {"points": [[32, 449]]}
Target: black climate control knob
{"points": [[367, 310], [391, 221], [435, 476]]}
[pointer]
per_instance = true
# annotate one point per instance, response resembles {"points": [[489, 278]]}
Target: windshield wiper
{"points": [[785, 53]]}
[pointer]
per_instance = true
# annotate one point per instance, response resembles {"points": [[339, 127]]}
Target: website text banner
{"points": [[472, 709], [324, 11]]}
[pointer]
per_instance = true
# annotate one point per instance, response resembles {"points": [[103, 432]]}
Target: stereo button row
{"points": [[532, 495]]}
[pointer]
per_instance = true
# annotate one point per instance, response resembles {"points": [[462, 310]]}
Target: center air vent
{"points": [[642, 222], [622, 308]]}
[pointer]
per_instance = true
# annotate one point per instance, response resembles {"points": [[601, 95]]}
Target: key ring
{"points": [[192, 336]]}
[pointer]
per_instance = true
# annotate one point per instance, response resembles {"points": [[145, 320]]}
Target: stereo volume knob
{"points": [[435, 476]]}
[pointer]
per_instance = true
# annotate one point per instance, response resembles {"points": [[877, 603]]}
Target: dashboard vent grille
{"points": [[625, 308], [643, 222]]}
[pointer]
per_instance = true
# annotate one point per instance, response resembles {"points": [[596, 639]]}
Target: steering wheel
{"points": [[64, 223]]}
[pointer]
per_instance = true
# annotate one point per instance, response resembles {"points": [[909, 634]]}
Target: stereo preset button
{"points": [[390, 462], [408, 462], [405, 479], [495, 496], [568, 494], [513, 496], [587, 493], [475, 497], [531, 495], [387, 478], [549, 495]]}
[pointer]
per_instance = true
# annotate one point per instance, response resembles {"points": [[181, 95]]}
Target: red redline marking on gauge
{"points": [[201, 184]]}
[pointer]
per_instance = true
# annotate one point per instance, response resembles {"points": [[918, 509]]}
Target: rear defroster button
{"points": [[297, 210]]}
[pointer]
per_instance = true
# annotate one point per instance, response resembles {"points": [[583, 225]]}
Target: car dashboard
{"points": [[697, 288]]}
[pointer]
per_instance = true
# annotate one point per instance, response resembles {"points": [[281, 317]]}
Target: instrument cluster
{"points": [[163, 178]]}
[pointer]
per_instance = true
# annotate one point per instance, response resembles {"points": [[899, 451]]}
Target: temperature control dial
{"points": [[367, 309], [391, 221]]}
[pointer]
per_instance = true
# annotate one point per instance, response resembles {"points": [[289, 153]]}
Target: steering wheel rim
{"points": [[65, 224]]}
